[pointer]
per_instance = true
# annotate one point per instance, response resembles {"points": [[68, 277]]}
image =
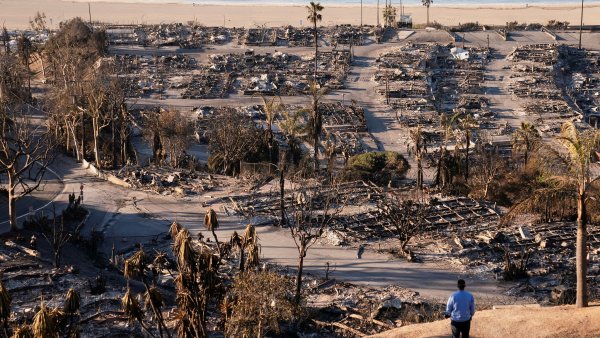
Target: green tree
{"points": [[580, 146], [575, 184]]}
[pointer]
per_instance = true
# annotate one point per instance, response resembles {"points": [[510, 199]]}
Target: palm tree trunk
{"points": [[581, 251], [316, 50], [241, 266]]}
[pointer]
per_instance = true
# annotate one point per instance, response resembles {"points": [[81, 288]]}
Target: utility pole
{"points": [[377, 13], [90, 12], [361, 14], [581, 25]]}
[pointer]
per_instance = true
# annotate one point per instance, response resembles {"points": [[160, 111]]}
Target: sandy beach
{"points": [[15, 14]]}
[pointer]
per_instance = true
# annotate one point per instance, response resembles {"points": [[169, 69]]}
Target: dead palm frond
{"points": [[24, 331], [211, 223], [131, 307], [253, 253], [135, 265], [249, 234], [210, 220], [161, 261], [75, 333], [182, 235], [72, 302], [5, 301], [185, 254], [174, 229], [44, 323], [153, 297]]}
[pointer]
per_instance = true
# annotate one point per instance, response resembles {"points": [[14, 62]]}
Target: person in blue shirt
{"points": [[460, 309]]}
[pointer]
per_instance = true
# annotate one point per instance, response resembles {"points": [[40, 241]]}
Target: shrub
{"points": [[257, 304], [380, 168]]}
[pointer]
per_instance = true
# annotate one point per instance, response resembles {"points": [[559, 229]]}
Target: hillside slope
{"points": [[516, 321]]}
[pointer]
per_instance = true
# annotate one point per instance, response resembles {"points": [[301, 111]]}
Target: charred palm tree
{"points": [[71, 309], [525, 139], [272, 108], [314, 16], [135, 268], [211, 223], [466, 123], [196, 283], [315, 127], [133, 311], [45, 323], [420, 148], [290, 126], [5, 301]]}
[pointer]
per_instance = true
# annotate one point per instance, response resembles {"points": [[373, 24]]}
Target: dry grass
{"points": [[516, 321]]}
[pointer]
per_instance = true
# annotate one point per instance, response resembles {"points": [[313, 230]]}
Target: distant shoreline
{"points": [[498, 5], [16, 13]]}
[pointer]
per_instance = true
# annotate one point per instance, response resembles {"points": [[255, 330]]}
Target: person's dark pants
{"points": [[459, 328]]}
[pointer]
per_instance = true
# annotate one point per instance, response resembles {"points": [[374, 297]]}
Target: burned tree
{"points": [[170, 134], [419, 140], [466, 123], [248, 247], [232, 136], [407, 219], [525, 140], [83, 90], [315, 122], [57, 236], [290, 127], [489, 165], [308, 216], [26, 148]]}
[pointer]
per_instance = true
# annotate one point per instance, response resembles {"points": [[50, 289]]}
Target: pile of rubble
{"points": [[165, 182], [206, 85], [151, 75], [536, 81], [582, 72], [340, 117], [281, 73], [175, 34], [262, 36], [547, 252], [346, 35], [343, 309], [30, 280]]}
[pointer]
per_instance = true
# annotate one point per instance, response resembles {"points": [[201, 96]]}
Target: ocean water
{"points": [[394, 2]]}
